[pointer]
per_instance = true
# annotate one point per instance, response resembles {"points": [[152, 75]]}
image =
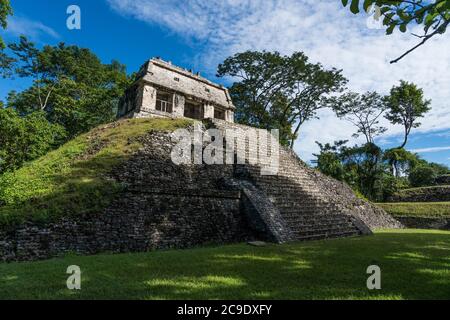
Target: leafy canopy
{"points": [[70, 84], [406, 104], [5, 11], [25, 138], [276, 91], [433, 15], [363, 111]]}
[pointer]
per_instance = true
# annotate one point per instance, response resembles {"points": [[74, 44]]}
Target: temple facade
{"points": [[165, 90]]}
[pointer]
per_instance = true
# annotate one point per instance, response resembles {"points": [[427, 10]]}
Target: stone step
{"points": [[314, 219], [325, 236], [292, 193], [321, 225], [301, 202], [337, 232], [306, 210]]}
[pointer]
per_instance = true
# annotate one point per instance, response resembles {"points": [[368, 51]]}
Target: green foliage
{"points": [[368, 170], [359, 166], [433, 15], [71, 180], [439, 169], [70, 84], [388, 185], [401, 160], [406, 105], [329, 161], [364, 162], [363, 111], [375, 173], [25, 138], [275, 91], [5, 11], [422, 176], [418, 209], [319, 270]]}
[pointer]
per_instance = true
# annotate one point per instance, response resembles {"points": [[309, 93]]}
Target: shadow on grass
{"points": [[414, 265]]}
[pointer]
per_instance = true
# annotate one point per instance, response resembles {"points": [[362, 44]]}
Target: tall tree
{"points": [[5, 11], [406, 104], [70, 84], [363, 111], [275, 91], [434, 15]]}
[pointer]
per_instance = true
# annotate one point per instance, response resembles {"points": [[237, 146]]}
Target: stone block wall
{"points": [[426, 194], [425, 223], [164, 205], [135, 222], [313, 205]]}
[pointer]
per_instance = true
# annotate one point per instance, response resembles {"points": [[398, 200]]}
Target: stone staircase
{"points": [[306, 209]]}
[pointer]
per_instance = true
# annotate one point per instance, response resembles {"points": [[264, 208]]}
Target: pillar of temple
{"points": [[179, 102], [148, 99], [209, 111], [229, 116]]}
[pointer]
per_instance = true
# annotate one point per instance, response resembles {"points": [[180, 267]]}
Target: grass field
{"points": [[415, 264], [417, 209]]}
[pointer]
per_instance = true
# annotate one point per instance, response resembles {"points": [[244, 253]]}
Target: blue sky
{"points": [[198, 35]]}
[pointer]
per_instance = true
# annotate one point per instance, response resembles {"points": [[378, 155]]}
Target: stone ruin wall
{"points": [[157, 75], [164, 205]]}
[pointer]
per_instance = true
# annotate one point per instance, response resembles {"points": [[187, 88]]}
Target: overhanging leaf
{"points": [[354, 7]]}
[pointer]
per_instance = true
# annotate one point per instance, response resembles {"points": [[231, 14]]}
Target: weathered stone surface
{"points": [[443, 180], [265, 216], [257, 244], [313, 205], [164, 205], [182, 86], [425, 223], [133, 224], [427, 194]]}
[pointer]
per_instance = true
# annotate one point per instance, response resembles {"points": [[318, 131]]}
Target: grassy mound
{"points": [[418, 209], [72, 179], [333, 269]]}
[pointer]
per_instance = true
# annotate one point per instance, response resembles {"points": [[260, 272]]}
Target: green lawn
{"points": [[417, 209], [415, 264]]}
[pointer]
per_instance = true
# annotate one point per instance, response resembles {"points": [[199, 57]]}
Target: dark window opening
{"points": [[219, 114], [164, 102], [193, 111]]}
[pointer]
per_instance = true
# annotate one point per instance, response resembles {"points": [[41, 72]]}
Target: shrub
{"points": [[25, 138], [422, 176], [389, 185]]}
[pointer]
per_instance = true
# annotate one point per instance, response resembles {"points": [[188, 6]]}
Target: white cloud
{"points": [[325, 31], [427, 150], [33, 29]]}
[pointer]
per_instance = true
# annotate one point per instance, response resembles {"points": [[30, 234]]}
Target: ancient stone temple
{"points": [[163, 204], [165, 90]]}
